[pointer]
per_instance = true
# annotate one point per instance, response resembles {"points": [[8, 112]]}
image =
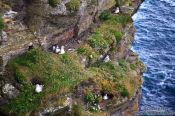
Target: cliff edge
{"points": [[67, 57]]}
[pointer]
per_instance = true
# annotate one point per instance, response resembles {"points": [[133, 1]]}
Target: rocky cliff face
{"points": [[37, 24]]}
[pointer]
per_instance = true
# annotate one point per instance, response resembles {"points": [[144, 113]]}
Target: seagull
{"points": [[10, 14], [117, 10], [105, 97], [107, 59], [53, 48], [39, 88], [57, 50], [101, 56], [62, 50]]}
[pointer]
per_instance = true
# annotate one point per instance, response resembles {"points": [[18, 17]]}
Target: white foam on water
{"points": [[171, 2]]}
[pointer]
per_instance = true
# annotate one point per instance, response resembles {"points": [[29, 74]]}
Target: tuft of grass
{"points": [[77, 110], [1, 24], [19, 77], [133, 66], [123, 90], [97, 41], [123, 64], [110, 33], [89, 97], [73, 5], [93, 2], [118, 36], [123, 19], [106, 15], [53, 3], [86, 50]]}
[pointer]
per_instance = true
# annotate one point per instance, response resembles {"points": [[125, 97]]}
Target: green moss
{"points": [[73, 5], [65, 59], [122, 19], [20, 78], [112, 70], [123, 64], [106, 15], [1, 24], [86, 50], [110, 33], [89, 97], [118, 36], [133, 66], [123, 91], [53, 3], [93, 2], [96, 41]]}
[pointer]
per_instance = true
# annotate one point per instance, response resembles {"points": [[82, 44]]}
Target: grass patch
{"points": [[97, 42], [93, 2], [86, 50], [53, 3], [59, 74], [110, 33], [26, 101], [122, 63], [1, 24], [77, 110], [73, 5], [106, 15], [118, 35], [123, 91], [133, 66]]}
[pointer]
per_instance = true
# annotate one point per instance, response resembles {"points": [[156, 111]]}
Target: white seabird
{"points": [[62, 50], [39, 88], [53, 48], [105, 97], [107, 59], [117, 10], [57, 50], [10, 14]]}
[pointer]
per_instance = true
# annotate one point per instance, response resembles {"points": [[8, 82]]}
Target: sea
{"points": [[155, 44]]}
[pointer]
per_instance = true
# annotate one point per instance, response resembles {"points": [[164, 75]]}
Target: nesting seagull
{"points": [[105, 97], [117, 10], [62, 50], [10, 14], [57, 49], [53, 48], [39, 88], [107, 59]]}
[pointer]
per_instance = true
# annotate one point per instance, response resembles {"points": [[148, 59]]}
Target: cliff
{"points": [[94, 71]]}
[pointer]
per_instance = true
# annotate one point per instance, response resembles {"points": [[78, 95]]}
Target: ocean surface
{"points": [[155, 44]]}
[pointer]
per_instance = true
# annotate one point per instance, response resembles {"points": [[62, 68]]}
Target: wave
{"points": [[154, 42]]}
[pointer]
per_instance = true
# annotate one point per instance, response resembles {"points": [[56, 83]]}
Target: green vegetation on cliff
{"points": [[58, 74], [1, 24], [110, 32], [53, 3], [73, 5], [64, 74]]}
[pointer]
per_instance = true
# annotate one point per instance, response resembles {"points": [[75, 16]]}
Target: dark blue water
{"points": [[155, 43]]}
